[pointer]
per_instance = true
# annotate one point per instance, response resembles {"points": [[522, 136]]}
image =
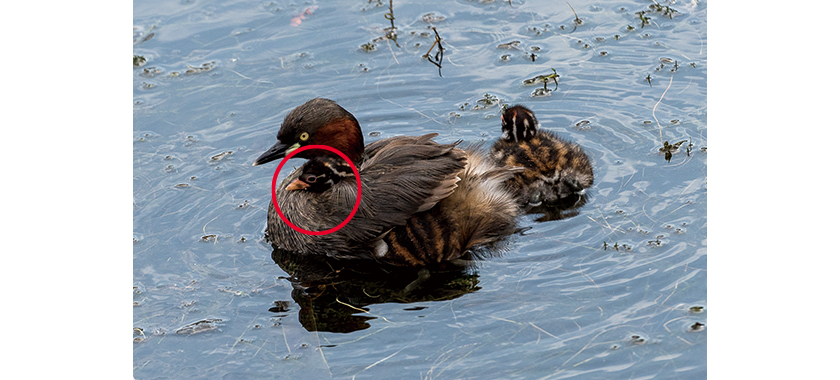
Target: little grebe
{"points": [[422, 202], [554, 168]]}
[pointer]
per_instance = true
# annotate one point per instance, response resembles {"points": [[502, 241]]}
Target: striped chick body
{"points": [[554, 168]]}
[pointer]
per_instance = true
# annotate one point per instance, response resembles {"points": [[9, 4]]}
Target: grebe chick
{"points": [[554, 168]]}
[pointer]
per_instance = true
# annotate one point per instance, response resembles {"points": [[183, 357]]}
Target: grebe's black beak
{"points": [[278, 150]]}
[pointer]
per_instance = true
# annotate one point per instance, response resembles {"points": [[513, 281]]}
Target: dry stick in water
{"points": [[391, 33], [438, 55], [578, 21]]}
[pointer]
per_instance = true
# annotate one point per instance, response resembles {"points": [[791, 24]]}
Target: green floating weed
{"points": [[656, 242], [664, 10], [368, 47], [697, 326], [544, 79], [540, 92], [139, 60], [509, 45], [151, 71], [623, 247], [200, 69], [696, 309], [644, 19], [658, 9], [486, 101], [432, 18], [669, 148]]}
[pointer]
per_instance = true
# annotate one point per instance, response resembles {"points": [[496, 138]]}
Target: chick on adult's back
{"points": [[554, 168]]}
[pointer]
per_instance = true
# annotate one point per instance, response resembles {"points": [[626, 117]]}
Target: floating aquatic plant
{"points": [[544, 79]]}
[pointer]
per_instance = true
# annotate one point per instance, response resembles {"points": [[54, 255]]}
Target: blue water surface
{"points": [[617, 291]]}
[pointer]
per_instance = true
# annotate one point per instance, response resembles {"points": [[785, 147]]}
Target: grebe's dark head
{"points": [[317, 122]]}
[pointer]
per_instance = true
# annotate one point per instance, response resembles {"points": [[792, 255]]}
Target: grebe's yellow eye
{"points": [[304, 136]]}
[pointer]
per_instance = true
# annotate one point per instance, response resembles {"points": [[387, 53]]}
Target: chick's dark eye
{"points": [[310, 178]]}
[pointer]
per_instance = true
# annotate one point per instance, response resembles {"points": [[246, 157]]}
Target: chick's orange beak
{"points": [[297, 184]]}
